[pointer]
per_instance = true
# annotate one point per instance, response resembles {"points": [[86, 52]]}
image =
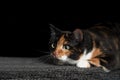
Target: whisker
{"points": [[41, 51], [44, 52], [45, 58]]}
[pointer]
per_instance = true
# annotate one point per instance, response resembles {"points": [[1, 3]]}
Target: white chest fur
{"points": [[82, 62]]}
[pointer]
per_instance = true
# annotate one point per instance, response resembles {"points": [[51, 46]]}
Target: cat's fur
{"points": [[97, 46]]}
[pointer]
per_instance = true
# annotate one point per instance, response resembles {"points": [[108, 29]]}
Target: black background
{"points": [[27, 34]]}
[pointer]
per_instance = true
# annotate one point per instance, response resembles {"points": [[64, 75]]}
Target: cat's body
{"points": [[97, 46]]}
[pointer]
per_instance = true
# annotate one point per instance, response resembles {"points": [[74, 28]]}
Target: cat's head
{"points": [[66, 44]]}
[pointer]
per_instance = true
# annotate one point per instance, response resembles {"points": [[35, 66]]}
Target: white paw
{"points": [[83, 64]]}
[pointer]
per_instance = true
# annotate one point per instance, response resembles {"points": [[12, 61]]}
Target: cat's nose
{"points": [[55, 54]]}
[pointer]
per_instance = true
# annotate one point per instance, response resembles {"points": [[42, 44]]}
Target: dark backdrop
{"points": [[26, 35]]}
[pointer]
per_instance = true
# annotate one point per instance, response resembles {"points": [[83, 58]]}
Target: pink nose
{"points": [[55, 54]]}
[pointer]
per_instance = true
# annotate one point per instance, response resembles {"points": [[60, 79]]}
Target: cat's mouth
{"points": [[63, 57], [56, 56]]}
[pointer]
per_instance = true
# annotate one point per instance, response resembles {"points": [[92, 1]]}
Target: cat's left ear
{"points": [[54, 31], [78, 34]]}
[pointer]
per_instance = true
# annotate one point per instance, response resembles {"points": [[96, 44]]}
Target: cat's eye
{"points": [[66, 47], [53, 45]]}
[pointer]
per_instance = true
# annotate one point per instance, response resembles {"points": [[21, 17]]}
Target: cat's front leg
{"points": [[83, 64], [60, 63]]}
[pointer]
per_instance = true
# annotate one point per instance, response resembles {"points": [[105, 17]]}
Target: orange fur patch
{"points": [[96, 53], [95, 62], [59, 49]]}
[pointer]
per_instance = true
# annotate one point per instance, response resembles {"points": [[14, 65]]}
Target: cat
{"points": [[97, 46]]}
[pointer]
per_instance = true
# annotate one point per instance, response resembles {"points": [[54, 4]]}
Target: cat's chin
{"points": [[67, 60], [63, 58]]}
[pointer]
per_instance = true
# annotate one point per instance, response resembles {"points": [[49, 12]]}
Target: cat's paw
{"points": [[83, 64], [60, 63]]}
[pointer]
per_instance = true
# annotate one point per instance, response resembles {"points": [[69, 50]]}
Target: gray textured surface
{"points": [[43, 69]]}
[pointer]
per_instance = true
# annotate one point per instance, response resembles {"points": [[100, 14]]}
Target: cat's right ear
{"points": [[54, 31], [78, 35]]}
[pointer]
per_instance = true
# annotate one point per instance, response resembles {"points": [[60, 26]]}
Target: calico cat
{"points": [[96, 46]]}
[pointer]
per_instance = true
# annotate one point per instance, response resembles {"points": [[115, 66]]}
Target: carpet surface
{"points": [[45, 68]]}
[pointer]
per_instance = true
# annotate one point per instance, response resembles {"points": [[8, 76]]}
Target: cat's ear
{"points": [[78, 34], [54, 31]]}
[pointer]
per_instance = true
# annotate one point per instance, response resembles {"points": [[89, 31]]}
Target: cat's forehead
{"points": [[63, 36], [62, 39]]}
